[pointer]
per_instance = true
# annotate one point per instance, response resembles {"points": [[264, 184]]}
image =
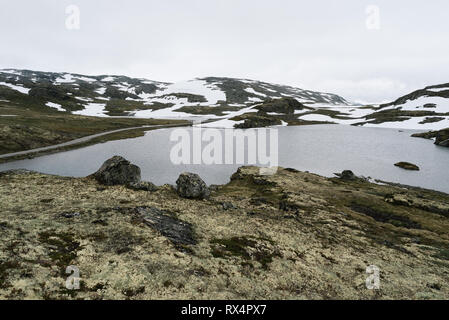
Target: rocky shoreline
{"points": [[441, 137], [292, 235]]}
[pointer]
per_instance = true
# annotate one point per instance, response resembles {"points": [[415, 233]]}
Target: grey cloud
{"points": [[321, 45]]}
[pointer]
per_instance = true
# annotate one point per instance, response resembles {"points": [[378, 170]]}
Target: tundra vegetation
{"points": [[292, 235]]}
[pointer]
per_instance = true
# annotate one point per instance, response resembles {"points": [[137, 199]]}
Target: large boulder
{"points": [[117, 171], [347, 175], [191, 186], [442, 138]]}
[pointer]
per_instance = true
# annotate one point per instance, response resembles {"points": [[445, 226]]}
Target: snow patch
{"points": [[413, 123], [317, 117], [196, 87], [253, 99], [55, 106], [101, 91], [11, 71], [108, 79], [67, 78], [93, 109], [442, 104], [14, 87], [438, 89], [251, 90], [84, 99], [224, 123], [86, 79]]}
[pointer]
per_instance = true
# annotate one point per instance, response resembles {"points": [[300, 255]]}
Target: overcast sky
{"points": [[325, 45]]}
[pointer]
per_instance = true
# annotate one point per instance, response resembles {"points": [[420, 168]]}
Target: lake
{"points": [[321, 149]]}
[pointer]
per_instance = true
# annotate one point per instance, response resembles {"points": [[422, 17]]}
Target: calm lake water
{"points": [[321, 149]]}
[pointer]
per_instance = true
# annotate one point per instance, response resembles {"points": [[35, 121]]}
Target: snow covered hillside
{"points": [[225, 101], [108, 95]]}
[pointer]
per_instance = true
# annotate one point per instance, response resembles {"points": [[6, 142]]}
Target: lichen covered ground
{"points": [[292, 235]]}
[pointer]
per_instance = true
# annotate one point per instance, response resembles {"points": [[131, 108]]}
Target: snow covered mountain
{"points": [[226, 101], [106, 95], [424, 109]]}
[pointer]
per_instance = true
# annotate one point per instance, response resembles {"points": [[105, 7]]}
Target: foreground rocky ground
{"points": [[293, 235]]}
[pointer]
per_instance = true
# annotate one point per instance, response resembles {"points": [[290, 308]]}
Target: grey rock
{"points": [[444, 143], [228, 206], [347, 175], [117, 171], [214, 187], [143, 186], [70, 214], [441, 137], [191, 186], [177, 231], [407, 166]]}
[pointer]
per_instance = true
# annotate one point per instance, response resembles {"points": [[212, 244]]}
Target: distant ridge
{"points": [[114, 95]]}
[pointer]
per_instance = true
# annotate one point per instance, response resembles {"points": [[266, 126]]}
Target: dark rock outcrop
{"points": [[347, 175], [425, 135], [441, 137], [177, 231], [191, 186], [407, 166], [443, 92], [283, 105], [117, 171], [70, 214], [48, 91], [423, 204], [257, 121]]}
